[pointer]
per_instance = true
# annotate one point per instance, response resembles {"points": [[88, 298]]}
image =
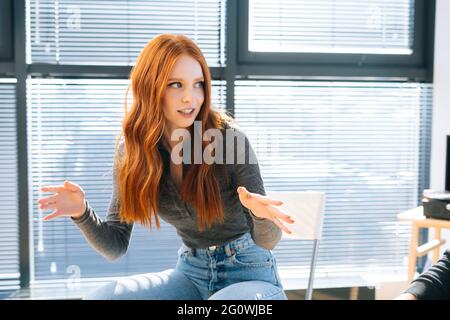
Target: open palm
{"points": [[67, 200], [262, 207]]}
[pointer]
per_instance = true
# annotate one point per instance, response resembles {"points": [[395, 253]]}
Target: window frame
{"points": [[415, 66], [6, 49]]}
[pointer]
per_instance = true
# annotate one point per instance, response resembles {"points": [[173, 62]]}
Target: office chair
{"points": [[307, 210]]}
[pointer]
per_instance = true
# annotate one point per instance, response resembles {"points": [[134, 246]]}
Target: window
{"points": [[357, 142], [73, 126], [349, 26], [104, 32], [338, 38]]}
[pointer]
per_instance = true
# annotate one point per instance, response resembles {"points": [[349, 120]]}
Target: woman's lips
{"points": [[186, 113]]}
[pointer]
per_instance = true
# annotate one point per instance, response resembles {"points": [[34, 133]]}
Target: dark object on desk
{"points": [[436, 205]]}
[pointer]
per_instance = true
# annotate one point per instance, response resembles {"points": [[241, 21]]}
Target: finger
{"points": [[71, 186], [281, 215], [263, 199], [267, 200], [242, 191], [281, 226], [272, 201], [47, 199], [52, 215], [52, 188], [48, 206]]}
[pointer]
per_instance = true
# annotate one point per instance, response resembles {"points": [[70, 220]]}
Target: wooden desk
{"points": [[420, 221]]}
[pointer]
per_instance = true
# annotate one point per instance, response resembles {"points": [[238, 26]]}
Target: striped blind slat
{"points": [[9, 212], [345, 26]]}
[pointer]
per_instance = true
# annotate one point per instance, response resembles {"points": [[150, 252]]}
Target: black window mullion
{"points": [[6, 47], [231, 52], [22, 145]]}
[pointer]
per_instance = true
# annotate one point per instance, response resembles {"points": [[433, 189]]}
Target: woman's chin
{"points": [[186, 123], [182, 122]]}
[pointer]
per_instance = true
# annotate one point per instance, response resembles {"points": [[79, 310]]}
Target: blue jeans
{"points": [[238, 270]]}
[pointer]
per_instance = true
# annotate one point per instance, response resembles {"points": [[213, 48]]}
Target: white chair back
{"points": [[307, 210]]}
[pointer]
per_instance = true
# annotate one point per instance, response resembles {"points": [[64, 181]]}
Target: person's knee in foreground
{"points": [[175, 160], [433, 284]]}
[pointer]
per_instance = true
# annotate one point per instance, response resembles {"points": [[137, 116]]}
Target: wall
{"points": [[441, 107]]}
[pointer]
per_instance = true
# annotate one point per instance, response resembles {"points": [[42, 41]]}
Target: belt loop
{"points": [[229, 249], [189, 249]]}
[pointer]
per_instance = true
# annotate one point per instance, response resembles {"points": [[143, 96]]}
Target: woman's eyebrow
{"points": [[180, 79]]}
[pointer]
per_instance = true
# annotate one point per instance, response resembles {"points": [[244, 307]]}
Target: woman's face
{"points": [[184, 94]]}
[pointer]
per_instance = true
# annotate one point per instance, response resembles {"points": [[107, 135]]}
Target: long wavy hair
{"points": [[141, 167]]}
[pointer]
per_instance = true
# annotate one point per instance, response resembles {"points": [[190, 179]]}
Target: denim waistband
{"points": [[229, 248]]}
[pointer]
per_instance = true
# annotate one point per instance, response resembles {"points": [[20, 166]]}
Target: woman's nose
{"points": [[187, 96]]}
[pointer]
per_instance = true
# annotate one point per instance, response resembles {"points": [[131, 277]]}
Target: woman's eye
{"points": [[199, 84], [175, 85]]}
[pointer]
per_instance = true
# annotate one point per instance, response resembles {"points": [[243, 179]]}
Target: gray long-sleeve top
{"points": [[433, 284], [111, 237]]}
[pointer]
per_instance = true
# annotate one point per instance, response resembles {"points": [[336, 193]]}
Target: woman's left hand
{"points": [[261, 206]]}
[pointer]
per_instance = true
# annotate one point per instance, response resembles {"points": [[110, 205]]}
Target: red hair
{"points": [[141, 168]]}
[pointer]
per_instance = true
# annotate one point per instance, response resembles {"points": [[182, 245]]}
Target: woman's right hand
{"points": [[67, 201]]}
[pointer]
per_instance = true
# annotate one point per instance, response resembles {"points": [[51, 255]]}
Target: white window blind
{"points": [[357, 142], [9, 213], [105, 32], [330, 26], [73, 126]]}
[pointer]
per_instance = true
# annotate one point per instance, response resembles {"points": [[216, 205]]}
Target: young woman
{"points": [[227, 224]]}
